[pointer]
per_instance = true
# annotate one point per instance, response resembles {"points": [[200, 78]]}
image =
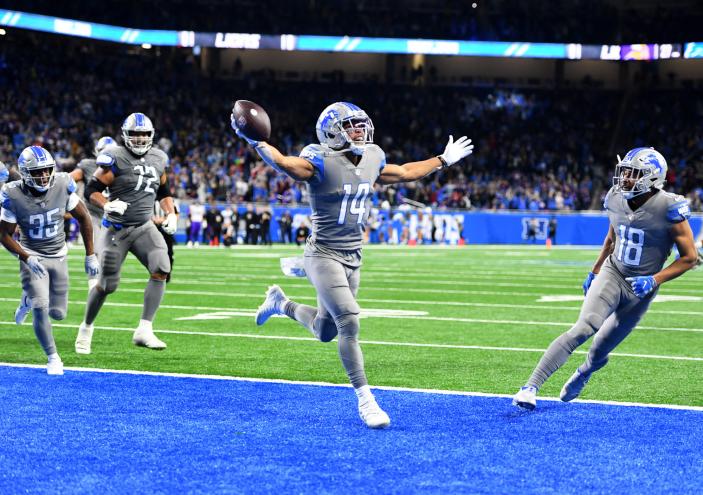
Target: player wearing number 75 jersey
{"points": [[645, 223], [340, 173], [37, 203], [135, 175]]}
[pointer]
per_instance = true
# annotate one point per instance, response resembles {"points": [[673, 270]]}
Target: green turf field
{"points": [[473, 319]]}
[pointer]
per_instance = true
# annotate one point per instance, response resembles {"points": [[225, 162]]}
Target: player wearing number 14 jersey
{"points": [[645, 223], [340, 173], [135, 175]]}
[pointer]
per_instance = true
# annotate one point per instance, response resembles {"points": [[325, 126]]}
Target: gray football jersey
{"points": [[643, 242], [40, 218], [89, 166], [340, 194], [136, 181]]}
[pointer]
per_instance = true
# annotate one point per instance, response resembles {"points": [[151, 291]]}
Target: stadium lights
{"points": [[357, 44]]}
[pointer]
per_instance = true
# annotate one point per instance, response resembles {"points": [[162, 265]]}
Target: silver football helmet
{"points": [[344, 125], [103, 143], [639, 171], [37, 168], [138, 133]]}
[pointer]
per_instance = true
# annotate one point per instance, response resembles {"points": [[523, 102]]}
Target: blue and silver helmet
{"points": [[639, 171], [338, 120], [103, 143], [37, 168], [138, 133]]}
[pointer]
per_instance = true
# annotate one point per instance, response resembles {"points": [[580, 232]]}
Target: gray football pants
{"points": [[610, 312], [143, 241], [337, 312], [48, 297]]}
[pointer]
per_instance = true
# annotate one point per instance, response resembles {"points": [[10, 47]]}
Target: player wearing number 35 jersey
{"points": [[135, 175], [645, 223], [37, 204], [340, 173]]}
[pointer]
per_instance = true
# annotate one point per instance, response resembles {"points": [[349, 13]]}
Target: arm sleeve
{"points": [[314, 154], [678, 210], [106, 161], [72, 202]]}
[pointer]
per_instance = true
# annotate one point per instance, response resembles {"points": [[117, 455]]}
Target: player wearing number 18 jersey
{"points": [[135, 175], [645, 223], [340, 173]]}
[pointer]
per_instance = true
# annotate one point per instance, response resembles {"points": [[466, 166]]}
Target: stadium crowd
{"points": [[535, 149]]}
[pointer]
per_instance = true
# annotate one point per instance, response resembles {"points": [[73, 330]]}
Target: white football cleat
{"points": [[272, 305], [526, 398], [146, 338], [55, 365], [23, 309], [372, 414], [574, 385], [84, 338]]}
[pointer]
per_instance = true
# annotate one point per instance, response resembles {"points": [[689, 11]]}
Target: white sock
{"points": [[86, 326], [363, 393], [54, 357], [145, 325]]}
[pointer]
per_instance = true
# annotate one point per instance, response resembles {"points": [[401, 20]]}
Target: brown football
{"points": [[252, 120]]}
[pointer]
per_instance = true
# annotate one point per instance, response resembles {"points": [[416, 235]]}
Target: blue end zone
{"points": [[89, 432]]}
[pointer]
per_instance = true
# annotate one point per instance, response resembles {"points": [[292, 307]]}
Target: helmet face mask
{"points": [[344, 126], [37, 168], [138, 133], [640, 171]]}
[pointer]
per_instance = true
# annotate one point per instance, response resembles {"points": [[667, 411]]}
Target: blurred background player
{"points": [[645, 223], [340, 173], [135, 173], [37, 203], [82, 174], [196, 215]]}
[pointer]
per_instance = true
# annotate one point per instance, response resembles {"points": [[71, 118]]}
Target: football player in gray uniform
{"points": [[135, 174], [340, 173], [645, 223], [82, 173], [37, 203]]}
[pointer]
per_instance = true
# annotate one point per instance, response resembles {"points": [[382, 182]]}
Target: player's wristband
{"points": [[443, 161]]}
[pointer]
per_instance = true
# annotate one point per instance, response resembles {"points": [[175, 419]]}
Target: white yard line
{"points": [[339, 385], [375, 342]]}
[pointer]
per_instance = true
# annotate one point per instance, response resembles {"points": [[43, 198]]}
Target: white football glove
{"points": [[117, 206], [456, 150], [34, 264], [92, 267], [170, 225]]}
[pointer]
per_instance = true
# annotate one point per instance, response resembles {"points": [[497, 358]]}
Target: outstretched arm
{"points": [[408, 172], [295, 167]]}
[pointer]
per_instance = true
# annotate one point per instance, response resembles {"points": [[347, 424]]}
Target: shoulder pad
{"points": [[4, 173], [314, 153], [678, 210]]}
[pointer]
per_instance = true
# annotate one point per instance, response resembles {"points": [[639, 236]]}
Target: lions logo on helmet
{"points": [[103, 143], [37, 168], [344, 125], [138, 133], [639, 171]]}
